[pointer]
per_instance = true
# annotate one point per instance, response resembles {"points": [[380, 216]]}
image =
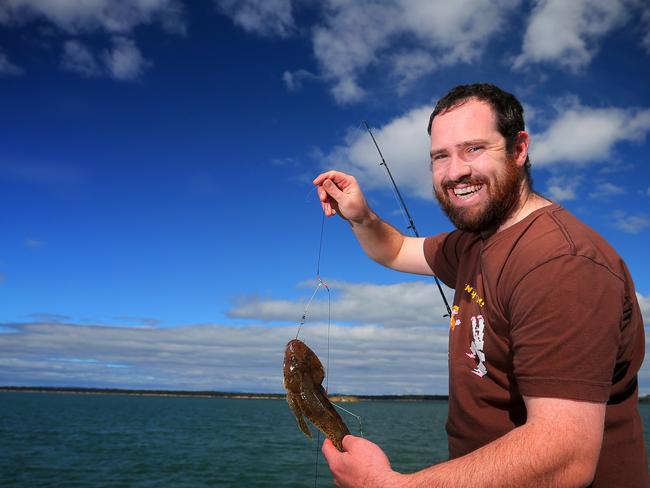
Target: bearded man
{"points": [[546, 336]]}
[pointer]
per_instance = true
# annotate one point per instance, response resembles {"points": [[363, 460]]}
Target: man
{"points": [[546, 336]]}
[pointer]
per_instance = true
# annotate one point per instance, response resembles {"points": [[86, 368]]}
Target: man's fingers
{"points": [[328, 175], [348, 442], [332, 189], [329, 450], [335, 189], [322, 194]]}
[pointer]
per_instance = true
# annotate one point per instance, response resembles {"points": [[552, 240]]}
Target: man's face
{"points": [[477, 184]]}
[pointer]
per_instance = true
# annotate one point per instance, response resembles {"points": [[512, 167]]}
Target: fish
{"points": [[303, 380]]}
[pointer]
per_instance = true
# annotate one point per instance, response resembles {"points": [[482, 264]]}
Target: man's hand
{"points": [[340, 193], [362, 464]]}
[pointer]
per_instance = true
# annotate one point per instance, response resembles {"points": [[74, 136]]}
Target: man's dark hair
{"points": [[509, 112]]}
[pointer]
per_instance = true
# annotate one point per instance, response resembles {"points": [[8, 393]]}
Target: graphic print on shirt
{"points": [[476, 298], [476, 347], [476, 350], [454, 320]]}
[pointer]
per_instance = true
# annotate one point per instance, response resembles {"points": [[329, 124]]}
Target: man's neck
{"points": [[528, 203]]}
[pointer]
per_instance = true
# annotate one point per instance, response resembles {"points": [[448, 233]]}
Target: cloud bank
{"points": [[398, 305], [354, 36], [584, 135], [366, 359], [373, 356], [112, 16], [261, 17], [409, 39]]}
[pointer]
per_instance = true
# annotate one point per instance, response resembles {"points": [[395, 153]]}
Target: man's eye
{"points": [[474, 148]]}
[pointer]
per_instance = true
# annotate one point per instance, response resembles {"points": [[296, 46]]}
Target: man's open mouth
{"points": [[467, 191]]}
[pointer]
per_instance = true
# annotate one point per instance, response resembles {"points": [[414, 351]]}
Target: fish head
{"points": [[301, 362]]}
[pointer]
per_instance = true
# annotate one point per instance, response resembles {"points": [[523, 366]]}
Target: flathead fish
{"points": [[303, 378]]}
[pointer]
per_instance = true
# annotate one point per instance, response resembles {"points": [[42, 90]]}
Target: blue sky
{"points": [[159, 226]]}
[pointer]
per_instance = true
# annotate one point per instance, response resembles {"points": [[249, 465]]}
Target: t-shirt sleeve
{"points": [[442, 254], [565, 329]]}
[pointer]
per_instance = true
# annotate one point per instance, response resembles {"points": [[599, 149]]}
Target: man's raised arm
{"points": [[340, 193]]}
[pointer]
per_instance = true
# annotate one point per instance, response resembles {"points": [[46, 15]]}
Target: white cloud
{"points": [[405, 145], [357, 35], [124, 61], [293, 80], [645, 21], [8, 68], [346, 43], [262, 17], [79, 59], [114, 16], [458, 30], [397, 305], [584, 135], [567, 33], [605, 190], [562, 188], [631, 224], [411, 66]]}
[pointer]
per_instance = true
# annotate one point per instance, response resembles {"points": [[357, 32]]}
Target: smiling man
{"points": [[546, 336]]}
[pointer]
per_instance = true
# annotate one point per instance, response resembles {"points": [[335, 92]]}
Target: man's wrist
{"points": [[397, 480], [369, 219]]}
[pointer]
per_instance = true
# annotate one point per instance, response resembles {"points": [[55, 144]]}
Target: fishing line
{"points": [[402, 204], [358, 417], [320, 284], [317, 455], [303, 319]]}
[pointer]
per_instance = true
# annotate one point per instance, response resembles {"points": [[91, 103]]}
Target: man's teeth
{"points": [[467, 191]]}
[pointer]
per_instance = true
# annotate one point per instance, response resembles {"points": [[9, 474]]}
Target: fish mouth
{"points": [[295, 346]]}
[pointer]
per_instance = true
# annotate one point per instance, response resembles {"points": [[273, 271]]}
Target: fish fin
{"points": [[297, 412]]}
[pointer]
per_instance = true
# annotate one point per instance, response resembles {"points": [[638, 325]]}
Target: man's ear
{"points": [[522, 141]]}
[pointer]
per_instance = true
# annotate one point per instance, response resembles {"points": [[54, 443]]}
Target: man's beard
{"points": [[502, 199]]}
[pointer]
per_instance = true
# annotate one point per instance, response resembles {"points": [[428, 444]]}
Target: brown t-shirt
{"points": [[545, 308]]}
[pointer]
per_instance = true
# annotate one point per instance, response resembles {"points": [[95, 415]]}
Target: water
{"points": [[49, 440]]}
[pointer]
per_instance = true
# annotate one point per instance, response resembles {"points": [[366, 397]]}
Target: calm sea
{"points": [[76, 440]]}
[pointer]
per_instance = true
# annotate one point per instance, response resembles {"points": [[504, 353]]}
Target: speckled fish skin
{"points": [[303, 378]]}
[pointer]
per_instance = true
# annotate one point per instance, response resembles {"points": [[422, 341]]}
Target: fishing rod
{"points": [[406, 211]]}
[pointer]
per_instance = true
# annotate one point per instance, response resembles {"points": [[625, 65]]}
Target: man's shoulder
{"points": [[540, 236], [549, 234], [559, 232]]}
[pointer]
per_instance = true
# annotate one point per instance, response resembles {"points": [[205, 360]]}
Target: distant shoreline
{"points": [[210, 394], [225, 394]]}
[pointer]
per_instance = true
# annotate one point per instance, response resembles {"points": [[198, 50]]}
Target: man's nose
{"points": [[458, 168]]}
